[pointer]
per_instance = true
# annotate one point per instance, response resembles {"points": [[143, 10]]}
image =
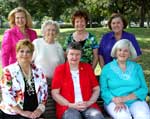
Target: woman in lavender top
{"points": [[116, 24]]}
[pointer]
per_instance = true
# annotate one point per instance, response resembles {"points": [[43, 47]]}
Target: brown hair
{"points": [[117, 15], [25, 43], [80, 14], [11, 17]]}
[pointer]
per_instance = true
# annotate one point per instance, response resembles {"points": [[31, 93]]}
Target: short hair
{"points": [[25, 43], [80, 14], [124, 43], [11, 17], [50, 22], [117, 15], [74, 46]]}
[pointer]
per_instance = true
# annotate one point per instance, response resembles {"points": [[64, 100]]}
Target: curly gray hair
{"points": [[124, 43], [50, 22]]}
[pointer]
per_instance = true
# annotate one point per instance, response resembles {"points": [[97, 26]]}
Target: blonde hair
{"points": [[11, 17], [25, 43], [124, 43]]}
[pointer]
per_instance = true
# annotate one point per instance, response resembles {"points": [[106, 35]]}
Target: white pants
{"points": [[138, 110]]}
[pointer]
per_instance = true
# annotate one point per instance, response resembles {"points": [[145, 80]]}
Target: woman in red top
{"points": [[75, 88]]}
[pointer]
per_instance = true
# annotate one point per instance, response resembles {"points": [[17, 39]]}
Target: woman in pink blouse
{"points": [[20, 27]]}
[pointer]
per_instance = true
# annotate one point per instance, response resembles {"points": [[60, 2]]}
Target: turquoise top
{"points": [[115, 82]]}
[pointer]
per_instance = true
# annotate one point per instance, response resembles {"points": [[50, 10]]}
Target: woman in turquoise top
{"points": [[123, 86], [86, 39]]}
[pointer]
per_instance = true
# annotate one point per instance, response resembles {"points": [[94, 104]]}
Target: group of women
{"points": [[31, 65]]}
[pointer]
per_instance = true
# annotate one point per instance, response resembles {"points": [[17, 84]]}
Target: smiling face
{"points": [[50, 31], [117, 25], [122, 54], [24, 55], [73, 57], [80, 23], [20, 19]]}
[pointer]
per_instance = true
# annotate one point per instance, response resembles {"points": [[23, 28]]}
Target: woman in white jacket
{"points": [[23, 86]]}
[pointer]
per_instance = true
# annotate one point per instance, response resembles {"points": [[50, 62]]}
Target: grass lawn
{"points": [[142, 35]]}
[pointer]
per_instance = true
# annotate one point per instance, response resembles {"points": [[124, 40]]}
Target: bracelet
{"points": [[41, 107]]}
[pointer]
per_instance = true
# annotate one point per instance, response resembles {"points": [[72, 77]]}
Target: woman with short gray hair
{"points": [[48, 54], [123, 86]]}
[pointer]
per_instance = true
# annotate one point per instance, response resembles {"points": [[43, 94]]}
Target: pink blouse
{"points": [[10, 39]]}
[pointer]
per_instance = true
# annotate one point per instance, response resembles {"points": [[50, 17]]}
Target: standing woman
{"points": [[20, 27], [23, 86], [86, 39], [48, 52], [117, 23]]}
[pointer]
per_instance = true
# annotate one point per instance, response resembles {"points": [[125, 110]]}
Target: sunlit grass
{"points": [[142, 35]]}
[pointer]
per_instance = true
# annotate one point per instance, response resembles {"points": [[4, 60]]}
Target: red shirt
{"points": [[62, 80]]}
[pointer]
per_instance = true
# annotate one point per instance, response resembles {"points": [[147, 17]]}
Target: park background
{"points": [[137, 12]]}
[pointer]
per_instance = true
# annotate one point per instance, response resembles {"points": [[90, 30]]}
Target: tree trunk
{"points": [[22, 3], [148, 24], [142, 13]]}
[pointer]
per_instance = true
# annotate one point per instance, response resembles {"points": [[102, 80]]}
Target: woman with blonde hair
{"points": [[20, 27], [23, 86]]}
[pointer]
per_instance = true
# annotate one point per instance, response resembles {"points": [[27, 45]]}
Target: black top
{"points": [[30, 99]]}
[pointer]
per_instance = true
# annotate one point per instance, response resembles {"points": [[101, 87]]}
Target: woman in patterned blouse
{"points": [[86, 39], [23, 86]]}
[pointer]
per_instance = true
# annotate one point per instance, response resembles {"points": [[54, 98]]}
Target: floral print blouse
{"points": [[87, 48], [13, 87]]}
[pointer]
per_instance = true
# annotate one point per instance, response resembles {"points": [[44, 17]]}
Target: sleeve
{"points": [[101, 45], [61, 54], [135, 44], [93, 81], [35, 51], [56, 81], [67, 41], [141, 93], [8, 91], [44, 88], [94, 42], [6, 48], [33, 35], [105, 92]]}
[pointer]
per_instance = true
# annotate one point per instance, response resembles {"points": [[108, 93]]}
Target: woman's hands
{"points": [[119, 101], [81, 106], [32, 115], [37, 113], [119, 107]]}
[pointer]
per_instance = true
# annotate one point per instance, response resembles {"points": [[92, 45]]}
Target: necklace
{"points": [[27, 76], [29, 82]]}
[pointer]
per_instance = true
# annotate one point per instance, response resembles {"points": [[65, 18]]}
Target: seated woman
{"points": [[23, 86], [75, 87], [123, 86]]}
